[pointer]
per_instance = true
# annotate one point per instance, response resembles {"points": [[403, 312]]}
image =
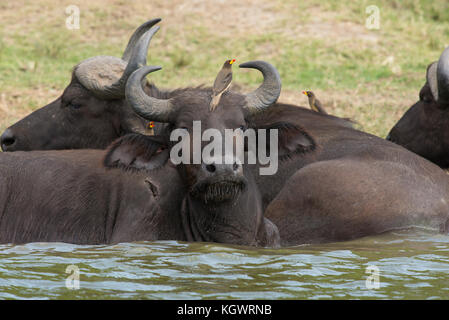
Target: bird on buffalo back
{"points": [[314, 103], [221, 83]]}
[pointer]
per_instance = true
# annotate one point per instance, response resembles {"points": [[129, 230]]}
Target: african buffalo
{"points": [[70, 196], [225, 191], [315, 144], [335, 183], [349, 184], [92, 111], [423, 128]]}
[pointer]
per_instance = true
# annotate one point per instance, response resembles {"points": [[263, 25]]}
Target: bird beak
{"points": [[305, 92], [232, 61]]}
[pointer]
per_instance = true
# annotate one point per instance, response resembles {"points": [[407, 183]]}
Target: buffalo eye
{"points": [[184, 129], [74, 105]]}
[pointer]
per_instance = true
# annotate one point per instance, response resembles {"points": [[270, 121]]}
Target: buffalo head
{"points": [[92, 110], [215, 178], [424, 128]]}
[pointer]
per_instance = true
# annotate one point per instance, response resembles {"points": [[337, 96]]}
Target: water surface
{"points": [[411, 264]]}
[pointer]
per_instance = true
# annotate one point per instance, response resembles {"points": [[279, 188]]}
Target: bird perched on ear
{"points": [[221, 83], [314, 103]]}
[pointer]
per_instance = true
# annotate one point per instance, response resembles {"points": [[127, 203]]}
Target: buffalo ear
{"points": [[294, 140], [291, 140], [136, 151]]}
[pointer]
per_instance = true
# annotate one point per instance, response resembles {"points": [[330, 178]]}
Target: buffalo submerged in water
{"points": [[333, 183], [88, 196], [74, 197], [318, 194]]}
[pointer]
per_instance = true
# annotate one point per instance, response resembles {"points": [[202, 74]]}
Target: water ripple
{"points": [[411, 265]]}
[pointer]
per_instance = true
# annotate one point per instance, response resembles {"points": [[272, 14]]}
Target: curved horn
{"points": [[107, 76], [145, 106], [443, 76], [269, 90], [137, 60], [136, 36]]}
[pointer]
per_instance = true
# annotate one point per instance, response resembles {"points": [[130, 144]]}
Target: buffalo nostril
{"points": [[211, 168], [7, 139]]}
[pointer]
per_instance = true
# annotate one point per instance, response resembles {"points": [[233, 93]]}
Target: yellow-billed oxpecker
{"points": [[222, 83], [314, 103]]}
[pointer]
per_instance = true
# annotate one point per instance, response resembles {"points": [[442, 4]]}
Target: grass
{"points": [[372, 76]]}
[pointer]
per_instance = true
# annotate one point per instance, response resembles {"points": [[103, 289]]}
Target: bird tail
{"points": [[215, 101]]}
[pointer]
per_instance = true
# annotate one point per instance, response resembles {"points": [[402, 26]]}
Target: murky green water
{"points": [[412, 265]]}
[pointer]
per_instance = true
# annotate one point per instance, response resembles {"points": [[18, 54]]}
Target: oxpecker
{"points": [[222, 83], [314, 103]]}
